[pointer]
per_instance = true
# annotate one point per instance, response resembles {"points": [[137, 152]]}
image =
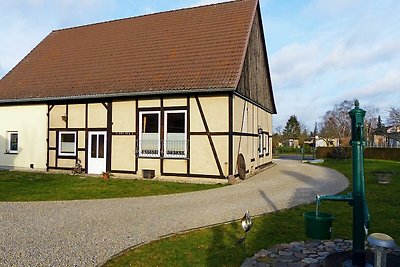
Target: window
{"points": [[266, 144], [97, 146], [149, 133], [260, 143], [175, 134], [12, 142], [67, 144]]}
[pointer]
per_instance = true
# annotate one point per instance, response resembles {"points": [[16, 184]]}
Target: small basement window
{"points": [[67, 144], [12, 142]]}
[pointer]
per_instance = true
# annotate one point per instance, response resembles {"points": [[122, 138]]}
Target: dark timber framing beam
{"points": [[137, 135], [188, 134], [49, 108], [109, 135], [86, 137], [210, 140], [230, 138]]}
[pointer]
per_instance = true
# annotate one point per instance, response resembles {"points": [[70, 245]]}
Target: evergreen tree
{"points": [[292, 128], [379, 126], [315, 133]]}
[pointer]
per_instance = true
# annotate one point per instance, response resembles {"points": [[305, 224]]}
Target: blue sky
{"points": [[321, 52]]}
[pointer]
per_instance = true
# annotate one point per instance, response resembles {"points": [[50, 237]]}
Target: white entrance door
{"points": [[97, 152]]}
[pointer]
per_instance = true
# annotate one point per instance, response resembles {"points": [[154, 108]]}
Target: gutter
{"points": [[131, 94], [114, 95]]}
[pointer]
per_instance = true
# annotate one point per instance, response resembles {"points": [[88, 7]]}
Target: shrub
{"points": [[308, 149], [369, 153], [382, 153], [288, 150], [339, 153]]}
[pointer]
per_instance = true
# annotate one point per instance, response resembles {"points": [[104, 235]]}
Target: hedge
{"points": [[369, 152]]}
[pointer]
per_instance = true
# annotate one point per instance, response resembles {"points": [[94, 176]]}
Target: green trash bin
{"points": [[318, 227]]}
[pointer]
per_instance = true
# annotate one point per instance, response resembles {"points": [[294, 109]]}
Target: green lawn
{"points": [[29, 186], [216, 246]]}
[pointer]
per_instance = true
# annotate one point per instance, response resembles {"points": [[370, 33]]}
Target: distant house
{"points": [[322, 142], [292, 142], [182, 93], [389, 138]]}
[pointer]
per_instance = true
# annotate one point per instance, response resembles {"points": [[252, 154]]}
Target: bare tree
{"points": [[336, 122], [394, 120], [370, 123], [394, 116]]}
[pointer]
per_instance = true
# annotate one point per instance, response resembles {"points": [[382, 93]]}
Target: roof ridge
{"points": [[150, 14]]}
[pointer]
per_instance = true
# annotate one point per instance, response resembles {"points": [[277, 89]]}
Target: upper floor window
{"points": [[12, 142], [149, 133], [175, 134], [67, 144]]}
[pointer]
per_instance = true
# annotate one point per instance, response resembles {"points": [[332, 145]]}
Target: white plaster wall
{"points": [[30, 121]]}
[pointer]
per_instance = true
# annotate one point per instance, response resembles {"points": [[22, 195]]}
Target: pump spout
{"points": [[348, 197]]}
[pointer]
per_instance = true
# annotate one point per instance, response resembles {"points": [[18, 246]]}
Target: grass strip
{"points": [[29, 186]]}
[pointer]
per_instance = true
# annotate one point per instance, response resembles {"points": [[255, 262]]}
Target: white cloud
{"points": [[296, 64], [386, 85], [331, 8], [347, 50]]}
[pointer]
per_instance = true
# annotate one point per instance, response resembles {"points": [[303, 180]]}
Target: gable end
{"points": [[255, 80]]}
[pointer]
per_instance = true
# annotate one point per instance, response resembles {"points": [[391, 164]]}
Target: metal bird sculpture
{"points": [[247, 223]]}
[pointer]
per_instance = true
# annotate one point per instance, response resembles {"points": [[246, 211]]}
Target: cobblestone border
{"points": [[301, 254]]}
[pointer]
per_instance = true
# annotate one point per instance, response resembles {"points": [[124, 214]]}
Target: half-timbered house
{"points": [[179, 93]]}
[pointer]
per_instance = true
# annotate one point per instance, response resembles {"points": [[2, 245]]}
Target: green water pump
{"points": [[357, 197]]}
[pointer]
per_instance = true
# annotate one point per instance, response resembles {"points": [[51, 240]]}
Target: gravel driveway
{"points": [[88, 232]]}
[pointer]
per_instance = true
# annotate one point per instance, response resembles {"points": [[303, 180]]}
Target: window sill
{"points": [[170, 157], [64, 156], [160, 157], [11, 152]]}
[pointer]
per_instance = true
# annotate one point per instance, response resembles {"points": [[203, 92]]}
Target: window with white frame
{"points": [[266, 143], [12, 142], [260, 143], [175, 129], [149, 133], [67, 144]]}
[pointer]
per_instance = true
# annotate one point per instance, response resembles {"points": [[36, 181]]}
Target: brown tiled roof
{"points": [[193, 49]]}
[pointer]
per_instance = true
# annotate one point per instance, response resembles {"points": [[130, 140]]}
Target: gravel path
{"points": [[88, 232]]}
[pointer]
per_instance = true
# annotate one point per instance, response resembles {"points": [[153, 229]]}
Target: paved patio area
{"points": [[88, 232]]}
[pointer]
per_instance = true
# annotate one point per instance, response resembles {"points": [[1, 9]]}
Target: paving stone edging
{"points": [[300, 254]]}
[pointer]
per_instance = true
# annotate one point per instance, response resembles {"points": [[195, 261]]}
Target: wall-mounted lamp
{"points": [[64, 118]]}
